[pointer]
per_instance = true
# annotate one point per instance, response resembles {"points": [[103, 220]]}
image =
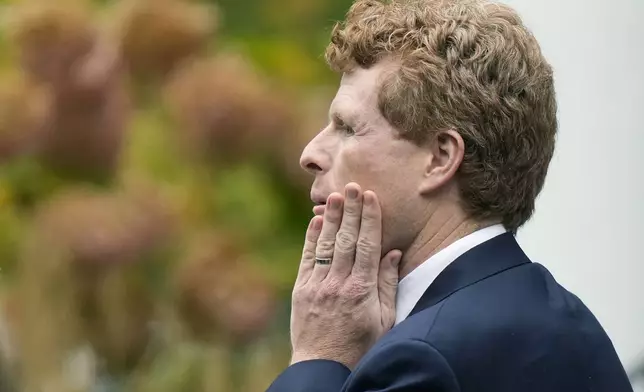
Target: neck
{"points": [[445, 226]]}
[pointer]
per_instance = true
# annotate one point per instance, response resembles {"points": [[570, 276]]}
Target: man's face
{"points": [[359, 145]]}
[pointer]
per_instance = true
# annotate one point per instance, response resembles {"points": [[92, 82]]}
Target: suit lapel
{"points": [[487, 259]]}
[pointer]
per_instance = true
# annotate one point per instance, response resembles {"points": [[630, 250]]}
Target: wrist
{"points": [[297, 357], [329, 356]]}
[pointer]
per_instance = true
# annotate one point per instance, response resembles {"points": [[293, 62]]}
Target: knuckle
{"points": [[366, 244], [333, 216], [363, 253], [329, 291], [370, 214], [333, 286], [355, 291], [325, 246], [351, 209], [390, 281], [297, 301], [345, 241], [308, 253], [301, 296], [309, 243], [360, 283]]}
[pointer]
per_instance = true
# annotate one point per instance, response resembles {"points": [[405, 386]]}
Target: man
{"points": [[439, 142]]}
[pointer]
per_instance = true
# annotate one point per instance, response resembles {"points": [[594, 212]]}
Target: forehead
{"points": [[357, 96]]}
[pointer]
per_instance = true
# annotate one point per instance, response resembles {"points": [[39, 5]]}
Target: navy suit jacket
{"points": [[492, 321]]}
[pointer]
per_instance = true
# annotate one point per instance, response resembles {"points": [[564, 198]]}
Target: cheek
{"points": [[362, 165]]}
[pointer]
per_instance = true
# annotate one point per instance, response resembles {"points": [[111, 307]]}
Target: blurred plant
{"points": [[51, 38], [6, 368], [226, 112], [224, 300], [221, 297], [85, 271], [12, 230], [86, 274], [314, 110], [60, 47], [25, 109], [157, 35]]}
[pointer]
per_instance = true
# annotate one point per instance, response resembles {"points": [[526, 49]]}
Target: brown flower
{"points": [[25, 109], [221, 295], [104, 229], [313, 117], [226, 111], [91, 118], [60, 46], [52, 37], [116, 308], [101, 248], [156, 35]]}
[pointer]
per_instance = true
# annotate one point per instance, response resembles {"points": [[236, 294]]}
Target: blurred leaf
{"points": [[151, 150], [27, 182], [247, 202], [181, 368], [285, 60], [256, 201], [11, 232]]}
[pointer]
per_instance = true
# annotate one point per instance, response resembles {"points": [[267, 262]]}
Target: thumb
{"points": [[388, 286]]}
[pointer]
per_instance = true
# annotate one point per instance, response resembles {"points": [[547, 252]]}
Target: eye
{"points": [[346, 129]]}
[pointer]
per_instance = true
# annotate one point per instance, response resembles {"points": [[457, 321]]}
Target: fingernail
{"points": [[396, 259], [334, 204], [317, 223], [352, 193], [368, 198]]}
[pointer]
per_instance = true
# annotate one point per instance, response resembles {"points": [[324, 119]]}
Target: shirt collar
{"points": [[412, 287]]}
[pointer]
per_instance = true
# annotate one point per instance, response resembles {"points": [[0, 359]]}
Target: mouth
{"points": [[319, 202]]}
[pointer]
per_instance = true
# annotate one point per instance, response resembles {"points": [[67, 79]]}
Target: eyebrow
{"points": [[342, 119], [337, 118]]}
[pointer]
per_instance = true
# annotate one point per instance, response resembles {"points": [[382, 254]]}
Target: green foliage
{"points": [[10, 236], [252, 199]]}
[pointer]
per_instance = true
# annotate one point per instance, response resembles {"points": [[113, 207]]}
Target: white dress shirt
{"points": [[412, 287]]}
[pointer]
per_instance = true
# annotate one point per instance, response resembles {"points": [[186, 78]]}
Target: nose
{"points": [[315, 159]]}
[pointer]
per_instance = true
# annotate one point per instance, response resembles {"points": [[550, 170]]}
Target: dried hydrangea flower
{"points": [[225, 111], [221, 295], [157, 35]]}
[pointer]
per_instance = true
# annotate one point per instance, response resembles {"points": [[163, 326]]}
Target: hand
{"points": [[341, 309]]}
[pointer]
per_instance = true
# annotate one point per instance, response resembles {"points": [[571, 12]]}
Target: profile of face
{"points": [[359, 145]]}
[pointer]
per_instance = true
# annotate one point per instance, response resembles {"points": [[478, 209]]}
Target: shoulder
{"points": [[523, 303], [520, 322], [403, 364], [526, 297]]}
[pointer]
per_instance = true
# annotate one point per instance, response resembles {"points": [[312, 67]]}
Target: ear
{"points": [[446, 155]]}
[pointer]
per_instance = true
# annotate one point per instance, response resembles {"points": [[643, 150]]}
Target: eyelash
{"points": [[347, 129]]}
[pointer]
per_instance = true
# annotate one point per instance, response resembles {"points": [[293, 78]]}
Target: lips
{"points": [[319, 199]]}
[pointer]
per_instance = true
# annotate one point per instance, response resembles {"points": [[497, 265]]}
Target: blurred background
{"points": [[152, 209]]}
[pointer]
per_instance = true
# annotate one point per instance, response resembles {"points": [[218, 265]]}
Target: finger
{"points": [[388, 276], [326, 241], [345, 240], [318, 210], [308, 254], [369, 246]]}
